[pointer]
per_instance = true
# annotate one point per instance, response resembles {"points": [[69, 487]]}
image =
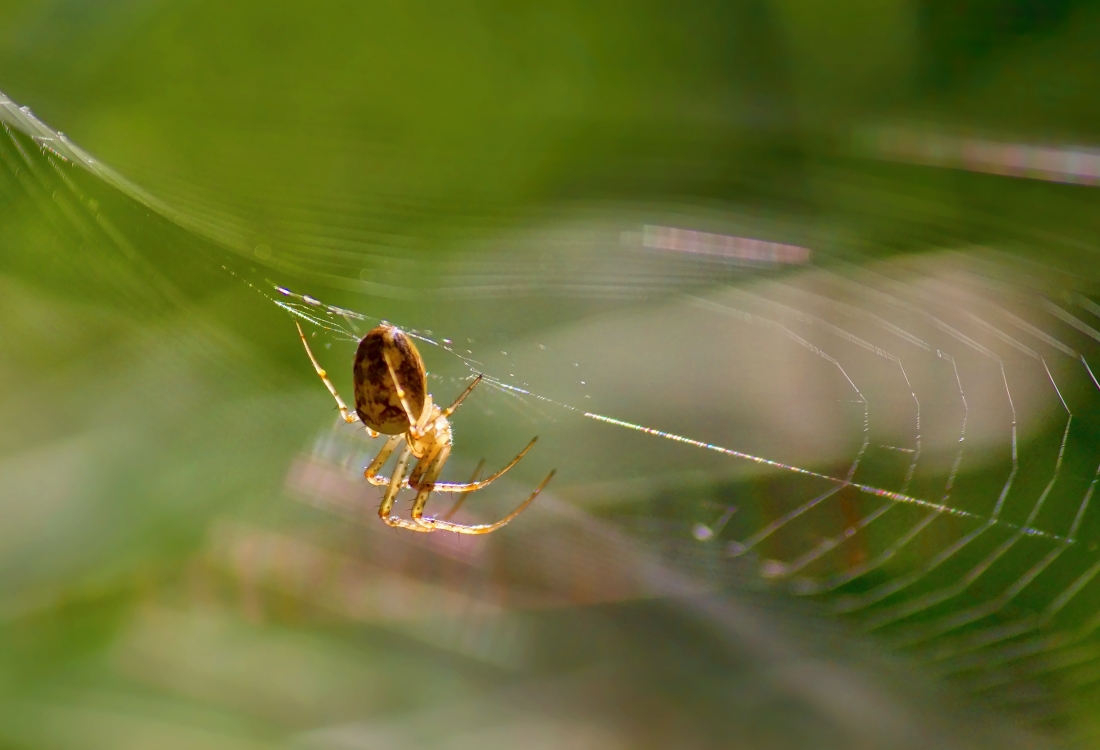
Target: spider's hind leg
{"points": [[463, 495], [426, 485], [477, 485], [433, 524]]}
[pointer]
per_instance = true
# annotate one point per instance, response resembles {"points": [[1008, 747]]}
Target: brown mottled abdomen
{"points": [[376, 399]]}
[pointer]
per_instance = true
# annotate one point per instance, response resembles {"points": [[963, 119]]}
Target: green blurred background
{"points": [[187, 555]]}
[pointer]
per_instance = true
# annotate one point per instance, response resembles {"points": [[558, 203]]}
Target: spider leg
{"points": [[386, 508], [462, 496], [414, 423], [473, 486], [348, 416], [427, 463], [371, 472], [432, 524], [426, 473], [462, 397]]}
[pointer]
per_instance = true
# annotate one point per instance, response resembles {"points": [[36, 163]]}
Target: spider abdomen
{"points": [[376, 398]]}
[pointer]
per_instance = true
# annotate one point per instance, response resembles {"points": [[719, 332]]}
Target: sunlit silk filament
{"points": [[864, 488]]}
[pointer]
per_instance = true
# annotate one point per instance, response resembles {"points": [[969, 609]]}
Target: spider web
{"points": [[982, 569], [957, 523]]}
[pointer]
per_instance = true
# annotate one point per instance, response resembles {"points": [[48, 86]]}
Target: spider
{"points": [[391, 398]]}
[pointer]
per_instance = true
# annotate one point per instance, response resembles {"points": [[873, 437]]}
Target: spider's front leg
{"points": [[385, 510], [436, 455], [348, 416], [371, 472], [423, 481]]}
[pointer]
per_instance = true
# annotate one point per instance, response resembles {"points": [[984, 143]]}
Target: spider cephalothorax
{"points": [[391, 397]]}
